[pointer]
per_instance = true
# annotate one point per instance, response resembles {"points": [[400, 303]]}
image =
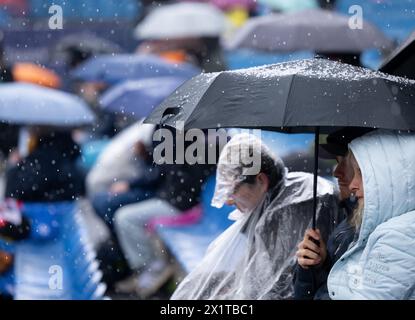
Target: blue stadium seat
{"points": [[57, 249], [7, 283]]}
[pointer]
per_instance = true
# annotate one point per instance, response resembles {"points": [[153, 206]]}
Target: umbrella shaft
{"points": [[316, 144]]}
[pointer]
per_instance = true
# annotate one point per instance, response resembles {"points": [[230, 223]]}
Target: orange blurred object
{"points": [[174, 56], [30, 72]]}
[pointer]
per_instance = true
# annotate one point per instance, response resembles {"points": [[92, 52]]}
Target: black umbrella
{"points": [[299, 96], [401, 62]]}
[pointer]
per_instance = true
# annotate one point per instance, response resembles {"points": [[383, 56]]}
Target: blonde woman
{"points": [[380, 263], [371, 255]]}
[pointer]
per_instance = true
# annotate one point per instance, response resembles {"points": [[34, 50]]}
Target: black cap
{"points": [[337, 142]]}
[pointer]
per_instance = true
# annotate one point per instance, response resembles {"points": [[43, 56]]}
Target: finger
{"points": [[301, 262], [308, 244], [309, 254], [300, 253], [313, 234], [301, 245], [306, 262]]}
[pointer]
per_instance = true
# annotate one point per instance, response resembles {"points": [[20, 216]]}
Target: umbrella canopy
{"points": [[137, 98], [182, 20], [32, 73], [30, 104], [290, 5], [292, 96], [316, 30], [402, 61], [77, 47], [112, 69], [89, 42]]}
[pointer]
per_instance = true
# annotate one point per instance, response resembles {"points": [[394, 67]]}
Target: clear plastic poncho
{"points": [[255, 257]]}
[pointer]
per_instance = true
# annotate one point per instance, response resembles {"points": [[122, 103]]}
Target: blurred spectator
{"points": [[8, 138], [123, 192], [119, 160], [48, 172], [5, 70], [179, 191], [105, 122]]}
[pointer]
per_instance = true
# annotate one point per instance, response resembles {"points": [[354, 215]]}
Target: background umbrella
{"points": [[29, 104], [298, 96], [316, 30], [75, 48], [182, 20], [402, 61], [112, 69], [137, 98]]}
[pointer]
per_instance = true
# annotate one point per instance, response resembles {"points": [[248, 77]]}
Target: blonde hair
{"points": [[357, 217]]}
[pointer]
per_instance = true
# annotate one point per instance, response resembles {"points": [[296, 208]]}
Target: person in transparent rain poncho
{"points": [[255, 257]]}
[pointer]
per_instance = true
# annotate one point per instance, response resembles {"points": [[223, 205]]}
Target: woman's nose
{"points": [[338, 172]]}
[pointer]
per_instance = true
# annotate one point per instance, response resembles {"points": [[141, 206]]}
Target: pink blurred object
{"points": [[188, 217], [228, 4], [17, 8], [231, 4]]}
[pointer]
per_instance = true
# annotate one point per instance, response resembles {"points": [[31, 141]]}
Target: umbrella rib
{"points": [[204, 94], [287, 99]]}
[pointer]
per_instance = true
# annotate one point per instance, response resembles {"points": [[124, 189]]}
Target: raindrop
{"points": [[395, 90], [395, 109]]}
